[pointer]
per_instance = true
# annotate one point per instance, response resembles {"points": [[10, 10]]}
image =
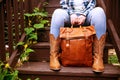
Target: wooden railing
{"points": [[2, 34], [12, 23], [115, 37], [113, 21], [112, 13]]}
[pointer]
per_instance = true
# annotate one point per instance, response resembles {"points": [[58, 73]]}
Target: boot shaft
{"points": [[99, 44], [54, 44], [54, 53]]}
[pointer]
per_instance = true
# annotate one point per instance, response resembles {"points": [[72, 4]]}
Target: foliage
{"points": [[113, 59], [7, 73], [33, 22], [35, 79], [37, 19], [26, 51]]}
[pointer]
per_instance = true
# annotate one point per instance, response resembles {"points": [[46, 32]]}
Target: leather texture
{"points": [[77, 46], [54, 53], [98, 65]]}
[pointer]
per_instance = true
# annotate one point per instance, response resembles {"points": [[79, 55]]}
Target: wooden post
{"points": [[10, 28], [2, 38]]}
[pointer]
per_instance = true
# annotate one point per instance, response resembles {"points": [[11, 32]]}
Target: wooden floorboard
{"points": [[43, 68]]}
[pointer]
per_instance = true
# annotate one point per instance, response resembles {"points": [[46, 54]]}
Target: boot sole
{"points": [[97, 71], [55, 69]]}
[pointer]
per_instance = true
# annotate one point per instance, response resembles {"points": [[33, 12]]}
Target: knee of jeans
{"points": [[58, 11], [97, 13], [99, 10]]}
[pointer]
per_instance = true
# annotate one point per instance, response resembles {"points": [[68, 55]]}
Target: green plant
{"points": [[37, 19], [33, 22], [7, 73], [35, 79], [113, 59], [26, 51]]}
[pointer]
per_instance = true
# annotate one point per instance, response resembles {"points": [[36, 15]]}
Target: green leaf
{"points": [[44, 21], [33, 36], [29, 30], [22, 55], [37, 79], [20, 43], [28, 50], [4, 73], [28, 79], [15, 75], [38, 26], [27, 14], [44, 14], [36, 10], [41, 14]]}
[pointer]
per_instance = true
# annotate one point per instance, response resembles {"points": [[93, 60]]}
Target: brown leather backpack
{"points": [[76, 46]]}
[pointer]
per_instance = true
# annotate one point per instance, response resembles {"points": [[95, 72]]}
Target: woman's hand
{"points": [[77, 20], [73, 18], [81, 19]]}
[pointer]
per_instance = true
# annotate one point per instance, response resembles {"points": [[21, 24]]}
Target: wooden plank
{"points": [[52, 2], [117, 17], [26, 6], [2, 34], [109, 6], [21, 8], [42, 70], [42, 50], [16, 20], [113, 7], [40, 3], [31, 6], [9, 24]]}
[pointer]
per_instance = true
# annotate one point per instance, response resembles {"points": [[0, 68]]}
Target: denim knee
{"points": [[97, 18], [58, 18]]}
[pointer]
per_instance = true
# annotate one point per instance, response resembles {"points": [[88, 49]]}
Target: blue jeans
{"points": [[96, 17]]}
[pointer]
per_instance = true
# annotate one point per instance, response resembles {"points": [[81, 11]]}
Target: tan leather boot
{"points": [[54, 50], [98, 65]]}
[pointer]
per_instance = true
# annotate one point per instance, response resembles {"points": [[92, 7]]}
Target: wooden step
{"points": [[42, 50], [41, 53], [41, 70]]}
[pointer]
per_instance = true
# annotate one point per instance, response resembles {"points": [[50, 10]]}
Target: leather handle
{"points": [[72, 26]]}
